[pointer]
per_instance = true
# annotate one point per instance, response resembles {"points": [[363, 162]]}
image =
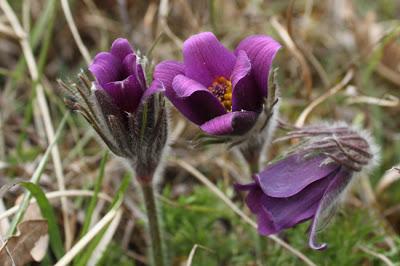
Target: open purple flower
{"points": [[221, 91], [307, 183], [118, 73]]}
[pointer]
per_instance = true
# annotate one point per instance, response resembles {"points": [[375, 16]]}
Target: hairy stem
{"points": [[154, 224]]}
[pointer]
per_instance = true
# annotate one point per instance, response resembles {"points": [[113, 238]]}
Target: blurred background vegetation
{"points": [[323, 42]]}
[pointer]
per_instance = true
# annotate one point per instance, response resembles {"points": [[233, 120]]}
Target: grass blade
{"points": [[36, 35], [93, 201], [48, 213], [36, 177], [116, 202]]}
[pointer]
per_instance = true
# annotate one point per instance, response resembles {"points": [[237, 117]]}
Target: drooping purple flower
{"points": [[221, 91], [120, 75], [308, 182]]}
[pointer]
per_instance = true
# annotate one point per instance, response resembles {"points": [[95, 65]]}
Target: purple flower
{"points": [[221, 91], [307, 183], [129, 118], [118, 73]]}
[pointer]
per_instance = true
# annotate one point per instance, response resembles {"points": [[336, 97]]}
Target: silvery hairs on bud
{"points": [[139, 137], [349, 146], [308, 182]]}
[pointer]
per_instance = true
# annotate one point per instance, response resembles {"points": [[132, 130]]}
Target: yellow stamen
{"points": [[222, 89]]}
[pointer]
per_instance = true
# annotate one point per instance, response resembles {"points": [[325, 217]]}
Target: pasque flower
{"points": [[117, 103], [118, 73], [221, 91], [129, 118], [307, 183]]}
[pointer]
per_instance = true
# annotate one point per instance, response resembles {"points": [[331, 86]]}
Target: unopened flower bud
{"points": [[308, 182], [130, 119]]}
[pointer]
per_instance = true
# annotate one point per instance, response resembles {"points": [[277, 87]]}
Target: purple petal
{"points": [[120, 48], [246, 94], [106, 68], [132, 67], [254, 200], [245, 187], [129, 65], [126, 94], [164, 74], [327, 205], [261, 50], [193, 100], [292, 174], [205, 58], [265, 223], [233, 123], [277, 214]]}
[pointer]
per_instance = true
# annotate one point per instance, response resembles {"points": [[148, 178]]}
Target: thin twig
{"points": [[382, 257], [162, 18], [85, 240], [386, 101], [58, 194], [290, 44], [388, 73], [303, 116], [316, 64], [72, 26], [97, 253], [26, 8], [193, 252], [388, 179], [8, 31]]}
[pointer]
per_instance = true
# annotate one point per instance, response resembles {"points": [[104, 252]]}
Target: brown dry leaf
{"points": [[391, 54], [30, 244], [39, 250], [366, 31], [389, 67], [32, 213]]}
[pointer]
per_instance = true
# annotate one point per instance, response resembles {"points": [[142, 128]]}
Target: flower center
{"points": [[222, 89]]}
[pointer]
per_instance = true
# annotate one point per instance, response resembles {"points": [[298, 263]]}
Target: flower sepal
{"points": [[139, 137]]}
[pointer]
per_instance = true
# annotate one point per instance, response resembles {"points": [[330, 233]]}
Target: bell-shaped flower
{"points": [[308, 182], [130, 119], [118, 73]]}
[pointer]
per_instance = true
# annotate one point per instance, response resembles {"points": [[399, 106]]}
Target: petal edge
{"points": [[261, 50], [193, 100], [205, 58]]}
